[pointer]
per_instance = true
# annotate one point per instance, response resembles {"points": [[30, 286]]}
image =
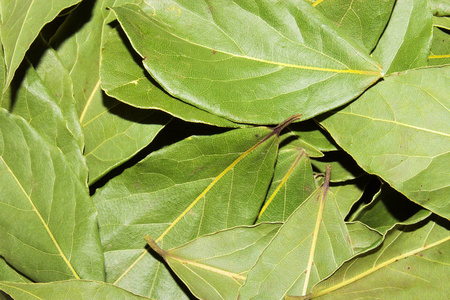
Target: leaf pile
{"points": [[177, 149]]}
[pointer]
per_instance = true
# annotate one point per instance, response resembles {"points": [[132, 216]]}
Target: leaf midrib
{"points": [[41, 219], [280, 64]]}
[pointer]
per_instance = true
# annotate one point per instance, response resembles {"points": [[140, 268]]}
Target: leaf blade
{"points": [[212, 60]]}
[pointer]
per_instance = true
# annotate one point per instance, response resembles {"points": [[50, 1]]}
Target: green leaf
{"points": [[440, 47], [343, 165], [311, 244], [389, 208], [362, 237], [441, 22], [8, 273], [113, 131], [440, 7], [194, 187], [214, 266], [362, 20], [49, 108], [21, 24], [312, 134], [348, 193], [406, 41], [58, 235], [399, 130], [71, 289], [116, 132], [248, 61], [293, 182], [413, 260], [127, 81]]}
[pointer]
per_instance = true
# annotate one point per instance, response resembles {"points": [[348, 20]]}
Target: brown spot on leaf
{"points": [[214, 51]]}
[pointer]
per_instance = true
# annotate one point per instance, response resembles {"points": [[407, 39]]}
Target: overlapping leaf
{"points": [[293, 182], [113, 131], [310, 133], [194, 187], [215, 266], [413, 260], [251, 62], [307, 248], [8, 273], [440, 47], [21, 24], [362, 20], [71, 289], [399, 130], [389, 208], [406, 41], [44, 99], [58, 236], [124, 79]]}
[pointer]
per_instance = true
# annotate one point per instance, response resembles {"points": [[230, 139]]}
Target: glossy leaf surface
{"points": [[363, 20], [194, 187], [248, 62], [399, 130], [127, 81]]}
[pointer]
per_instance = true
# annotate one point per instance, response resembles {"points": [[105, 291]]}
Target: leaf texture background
{"points": [[197, 63]]}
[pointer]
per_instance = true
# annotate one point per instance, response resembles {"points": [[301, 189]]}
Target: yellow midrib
{"points": [[348, 71], [282, 183], [376, 268], [194, 202], [42, 220]]}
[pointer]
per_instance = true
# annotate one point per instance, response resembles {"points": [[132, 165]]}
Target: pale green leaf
{"points": [[399, 130], [194, 187], [362, 237], [48, 223], [126, 80], [363, 20], [312, 243], [389, 208], [412, 261], [22, 21], [250, 62], [215, 266], [405, 43], [293, 182], [68, 290], [116, 132], [113, 131], [49, 108], [348, 193], [440, 7]]}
